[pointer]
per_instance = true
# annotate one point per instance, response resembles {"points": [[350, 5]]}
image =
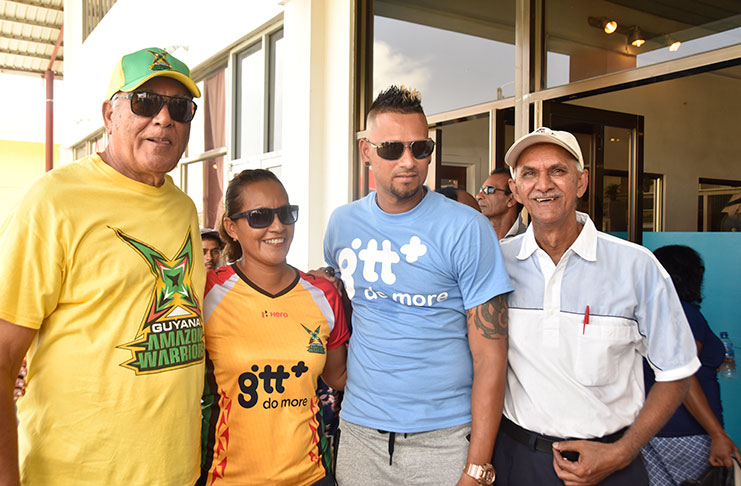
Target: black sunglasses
{"points": [[421, 149], [492, 190], [263, 217], [145, 103]]}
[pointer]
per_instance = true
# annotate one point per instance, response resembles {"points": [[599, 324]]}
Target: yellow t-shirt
{"points": [[110, 271]]}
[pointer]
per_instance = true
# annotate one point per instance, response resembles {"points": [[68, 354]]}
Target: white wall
{"points": [[691, 131]]}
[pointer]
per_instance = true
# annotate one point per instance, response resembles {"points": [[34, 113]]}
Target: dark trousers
{"points": [[516, 464], [327, 480]]}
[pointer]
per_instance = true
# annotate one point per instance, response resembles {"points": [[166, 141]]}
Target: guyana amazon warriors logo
{"points": [[170, 335]]}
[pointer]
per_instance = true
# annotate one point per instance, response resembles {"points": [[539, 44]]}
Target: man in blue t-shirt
{"points": [[427, 358]]}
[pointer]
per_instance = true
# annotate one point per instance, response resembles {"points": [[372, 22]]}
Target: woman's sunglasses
{"points": [[144, 103], [421, 149], [263, 217]]}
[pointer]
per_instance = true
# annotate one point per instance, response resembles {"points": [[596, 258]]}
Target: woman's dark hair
{"points": [[233, 204], [686, 269]]}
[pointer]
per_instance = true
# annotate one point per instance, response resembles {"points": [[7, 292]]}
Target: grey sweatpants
{"points": [[425, 458]]}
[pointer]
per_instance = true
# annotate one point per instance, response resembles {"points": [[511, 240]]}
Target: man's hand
{"points": [[328, 273], [596, 461], [14, 342], [20, 382]]}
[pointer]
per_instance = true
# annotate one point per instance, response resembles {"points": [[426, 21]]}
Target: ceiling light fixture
{"points": [[675, 46], [608, 25], [635, 37]]}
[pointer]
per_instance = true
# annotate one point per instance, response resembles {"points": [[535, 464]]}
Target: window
{"points": [[719, 205], [454, 53], [201, 175], [615, 201], [94, 143], [647, 32], [258, 100], [461, 57]]}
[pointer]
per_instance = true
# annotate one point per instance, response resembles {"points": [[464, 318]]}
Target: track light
{"points": [[635, 37], [608, 25]]}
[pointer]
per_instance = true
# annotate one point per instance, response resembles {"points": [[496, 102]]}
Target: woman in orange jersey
{"points": [[271, 331]]}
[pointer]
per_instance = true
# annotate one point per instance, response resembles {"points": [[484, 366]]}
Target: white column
{"points": [[317, 128]]}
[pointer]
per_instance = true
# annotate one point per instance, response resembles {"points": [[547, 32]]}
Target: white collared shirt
{"points": [[575, 380], [517, 228]]}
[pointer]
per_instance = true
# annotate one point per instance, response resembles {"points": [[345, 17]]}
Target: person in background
{"points": [[271, 331], [693, 439], [103, 283], [499, 205], [459, 195], [212, 248]]}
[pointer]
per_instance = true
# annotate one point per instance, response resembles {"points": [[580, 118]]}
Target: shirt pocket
{"points": [[604, 351]]}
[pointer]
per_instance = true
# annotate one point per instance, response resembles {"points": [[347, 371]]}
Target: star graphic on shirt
{"points": [[173, 298]]}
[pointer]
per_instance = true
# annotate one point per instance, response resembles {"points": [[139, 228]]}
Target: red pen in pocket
{"points": [[586, 320]]}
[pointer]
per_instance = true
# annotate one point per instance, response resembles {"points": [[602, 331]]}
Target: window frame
{"points": [[264, 41]]}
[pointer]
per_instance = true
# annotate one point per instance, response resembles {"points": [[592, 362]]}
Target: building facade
{"points": [[651, 91]]}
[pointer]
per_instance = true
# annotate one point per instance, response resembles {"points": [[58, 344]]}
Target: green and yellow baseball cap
{"points": [[139, 67]]}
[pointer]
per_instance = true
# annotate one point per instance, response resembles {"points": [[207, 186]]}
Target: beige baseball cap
{"points": [[543, 135]]}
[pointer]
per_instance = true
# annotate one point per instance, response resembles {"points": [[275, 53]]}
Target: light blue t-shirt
{"points": [[411, 277]]}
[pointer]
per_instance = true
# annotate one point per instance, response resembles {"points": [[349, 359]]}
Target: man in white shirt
{"points": [[587, 307]]}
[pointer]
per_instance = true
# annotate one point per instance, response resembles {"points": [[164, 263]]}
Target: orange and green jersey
{"points": [[264, 353]]}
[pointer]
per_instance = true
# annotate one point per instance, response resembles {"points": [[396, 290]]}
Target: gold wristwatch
{"points": [[484, 474]]}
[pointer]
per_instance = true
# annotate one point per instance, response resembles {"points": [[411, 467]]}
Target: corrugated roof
{"points": [[28, 32]]}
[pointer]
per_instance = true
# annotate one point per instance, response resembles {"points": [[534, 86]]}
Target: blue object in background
{"points": [[721, 304]]}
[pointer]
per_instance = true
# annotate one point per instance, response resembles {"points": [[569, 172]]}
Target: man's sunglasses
{"points": [[145, 103], [492, 190], [263, 217], [421, 149]]}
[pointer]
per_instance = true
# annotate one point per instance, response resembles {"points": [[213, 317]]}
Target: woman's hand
{"points": [[721, 449], [20, 382]]}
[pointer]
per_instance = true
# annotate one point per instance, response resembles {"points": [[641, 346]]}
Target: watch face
{"points": [[484, 474], [487, 476]]}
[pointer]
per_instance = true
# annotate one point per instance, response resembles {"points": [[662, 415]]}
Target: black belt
{"points": [[544, 443]]}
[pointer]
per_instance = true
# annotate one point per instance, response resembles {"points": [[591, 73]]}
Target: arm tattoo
{"points": [[491, 317]]}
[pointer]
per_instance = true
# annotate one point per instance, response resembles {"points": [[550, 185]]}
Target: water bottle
{"points": [[727, 369]]}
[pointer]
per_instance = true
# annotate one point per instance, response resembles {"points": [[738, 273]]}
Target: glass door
{"points": [[612, 145]]}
